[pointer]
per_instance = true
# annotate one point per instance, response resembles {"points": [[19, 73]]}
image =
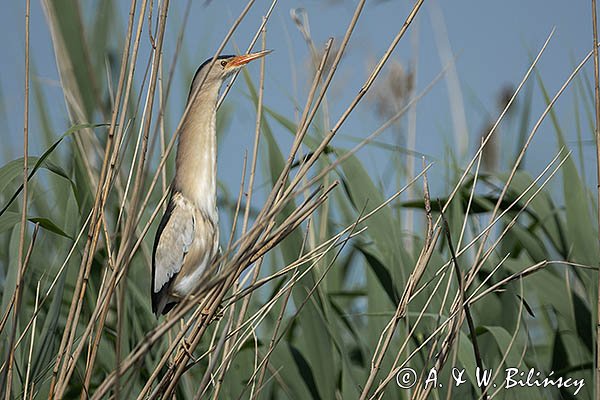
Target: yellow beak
{"points": [[238, 61]]}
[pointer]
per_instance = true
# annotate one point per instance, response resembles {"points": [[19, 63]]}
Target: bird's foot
{"points": [[218, 314], [188, 350]]}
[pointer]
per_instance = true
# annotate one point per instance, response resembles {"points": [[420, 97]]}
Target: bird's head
{"points": [[223, 66]]}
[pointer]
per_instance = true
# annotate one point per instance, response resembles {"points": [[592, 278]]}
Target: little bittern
{"points": [[187, 239]]}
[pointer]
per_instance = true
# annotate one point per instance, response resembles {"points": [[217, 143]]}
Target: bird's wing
{"points": [[173, 239]]}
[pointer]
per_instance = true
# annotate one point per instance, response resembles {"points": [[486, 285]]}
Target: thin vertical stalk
{"points": [[17, 300], [246, 302], [597, 135], [129, 227], [259, 111], [94, 230], [31, 342], [7, 375]]}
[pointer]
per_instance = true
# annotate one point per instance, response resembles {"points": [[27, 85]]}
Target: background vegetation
{"points": [[332, 282]]}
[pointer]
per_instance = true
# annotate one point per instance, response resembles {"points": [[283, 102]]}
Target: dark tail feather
{"points": [[168, 307], [162, 303]]}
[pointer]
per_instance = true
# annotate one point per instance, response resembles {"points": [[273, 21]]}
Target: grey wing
{"points": [[173, 239]]}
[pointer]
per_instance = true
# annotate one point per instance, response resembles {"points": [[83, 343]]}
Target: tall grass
{"points": [[319, 292]]}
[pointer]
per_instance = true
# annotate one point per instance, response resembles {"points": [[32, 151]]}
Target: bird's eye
{"points": [[223, 63]]}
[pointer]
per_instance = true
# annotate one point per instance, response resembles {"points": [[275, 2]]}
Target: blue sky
{"points": [[492, 44]]}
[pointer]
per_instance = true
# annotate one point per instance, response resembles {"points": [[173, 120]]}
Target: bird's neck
{"points": [[196, 163]]}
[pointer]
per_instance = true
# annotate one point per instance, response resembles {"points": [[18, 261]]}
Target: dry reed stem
{"points": [[470, 201], [7, 367], [272, 342], [246, 302], [339, 160], [248, 251], [493, 129], [259, 111], [307, 164], [316, 253], [306, 299], [430, 242], [452, 332], [457, 305], [238, 203], [213, 362], [104, 195], [75, 308], [52, 284], [7, 372], [304, 28], [301, 132], [266, 17], [477, 265], [32, 341], [172, 346], [306, 119], [597, 135], [510, 344], [68, 332], [443, 268], [108, 183], [387, 333], [462, 293], [198, 331], [161, 110], [447, 291], [261, 313], [145, 344]]}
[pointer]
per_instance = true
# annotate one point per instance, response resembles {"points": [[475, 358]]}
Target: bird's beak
{"points": [[239, 61]]}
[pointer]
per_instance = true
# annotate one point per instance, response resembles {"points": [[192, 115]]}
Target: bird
{"points": [[187, 238]]}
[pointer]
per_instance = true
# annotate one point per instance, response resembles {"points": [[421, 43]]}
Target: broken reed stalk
{"points": [[387, 334]]}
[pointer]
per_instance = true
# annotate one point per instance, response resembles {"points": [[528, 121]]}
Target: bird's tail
{"points": [[162, 303]]}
